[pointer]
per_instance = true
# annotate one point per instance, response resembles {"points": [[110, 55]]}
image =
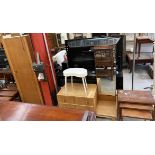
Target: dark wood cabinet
{"points": [[3, 59], [81, 55], [104, 60]]}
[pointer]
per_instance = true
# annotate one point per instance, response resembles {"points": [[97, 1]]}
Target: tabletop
{"points": [[18, 111], [136, 96], [144, 39]]}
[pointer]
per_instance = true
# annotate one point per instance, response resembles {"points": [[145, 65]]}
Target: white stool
{"points": [[77, 72]]}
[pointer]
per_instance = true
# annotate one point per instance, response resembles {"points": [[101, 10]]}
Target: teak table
{"points": [[136, 104], [18, 111]]}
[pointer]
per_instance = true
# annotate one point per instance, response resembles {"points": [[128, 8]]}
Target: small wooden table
{"points": [[135, 103], [142, 40], [146, 57], [141, 57], [18, 111]]}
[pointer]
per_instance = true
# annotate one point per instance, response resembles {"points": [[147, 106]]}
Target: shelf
{"points": [[106, 109], [82, 60]]}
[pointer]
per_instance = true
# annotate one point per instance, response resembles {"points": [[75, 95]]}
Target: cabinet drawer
{"points": [[69, 99], [81, 101]]}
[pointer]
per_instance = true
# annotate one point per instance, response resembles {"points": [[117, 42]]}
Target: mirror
{"points": [[138, 73]]}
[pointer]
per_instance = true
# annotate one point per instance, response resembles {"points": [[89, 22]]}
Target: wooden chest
{"points": [[75, 97]]}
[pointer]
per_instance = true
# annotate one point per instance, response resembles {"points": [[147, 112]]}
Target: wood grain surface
{"points": [[18, 111], [20, 57]]}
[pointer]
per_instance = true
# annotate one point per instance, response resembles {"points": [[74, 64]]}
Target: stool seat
{"points": [[78, 72]]}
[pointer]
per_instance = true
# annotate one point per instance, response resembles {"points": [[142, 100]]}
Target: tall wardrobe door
{"points": [[20, 57]]}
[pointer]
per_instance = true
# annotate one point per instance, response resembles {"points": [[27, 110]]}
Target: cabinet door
{"points": [[20, 56]]}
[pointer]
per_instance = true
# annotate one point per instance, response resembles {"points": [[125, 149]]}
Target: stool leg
{"points": [[85, 82], [65, 84], [72, 81], [84, 86]]}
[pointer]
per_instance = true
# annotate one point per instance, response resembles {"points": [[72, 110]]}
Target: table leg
{"points": [[120, 114], [118, 110], [130, 66], [139, 50]]}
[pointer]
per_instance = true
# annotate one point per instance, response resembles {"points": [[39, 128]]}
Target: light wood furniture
{"points": [[75, 98], [19, 53], [106, 106], [17, 111], [106, 103], [104, 61], [135, 104]]}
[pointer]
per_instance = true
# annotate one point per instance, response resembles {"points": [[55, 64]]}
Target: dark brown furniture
{"points": [[6, 75], [142, 40], [80, 55], [150, 71], [135, 104], [104, 61], [140, 57], [143, 59], [8, 94], [18, 111], [5, 71]]}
